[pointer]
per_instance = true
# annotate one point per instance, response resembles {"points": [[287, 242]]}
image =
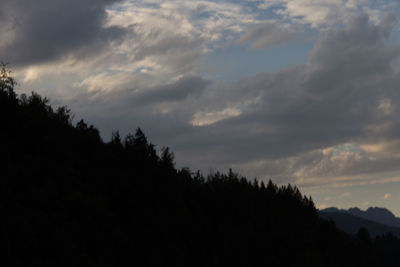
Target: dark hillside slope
{"points": [[70, 199]]}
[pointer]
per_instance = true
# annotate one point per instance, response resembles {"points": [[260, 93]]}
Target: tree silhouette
{"points": [[7, 82], [364, 235]]}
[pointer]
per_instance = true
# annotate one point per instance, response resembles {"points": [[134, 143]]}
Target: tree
{"points": [[140, 140], [7, 82], [262, 186], [364, 235], [116, 139], [167, 158], [63, 114], [271, 187], [143, 147]]}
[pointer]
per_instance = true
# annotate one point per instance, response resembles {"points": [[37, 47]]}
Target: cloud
{"points": [[385, 106], [267, 34], [345, 194], [201, 118], [308, 121], [46, 30], [174, 35], [328, 121], [112, 40], [183, 88], [172, 31], [325, 14]]}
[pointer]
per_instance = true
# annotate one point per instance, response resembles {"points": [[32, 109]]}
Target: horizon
{"points": [[300, 92]]}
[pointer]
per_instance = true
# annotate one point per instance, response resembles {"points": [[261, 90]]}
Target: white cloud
{"points": [[208, 118], [326, 13]]}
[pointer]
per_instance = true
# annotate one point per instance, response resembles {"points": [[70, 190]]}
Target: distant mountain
{"points": [[375, 214], [351, 224], [380, 215]]}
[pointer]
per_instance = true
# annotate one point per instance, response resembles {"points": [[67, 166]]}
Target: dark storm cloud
{"points": [[46, 30]]}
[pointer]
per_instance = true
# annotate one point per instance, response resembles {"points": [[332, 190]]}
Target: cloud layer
{"points": [[122, 64]]}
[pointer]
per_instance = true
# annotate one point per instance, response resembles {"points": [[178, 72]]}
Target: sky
{"points": [[297, 91]]}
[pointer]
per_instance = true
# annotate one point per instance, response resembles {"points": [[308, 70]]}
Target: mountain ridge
{"points": [[375, 214], [351, 224]]}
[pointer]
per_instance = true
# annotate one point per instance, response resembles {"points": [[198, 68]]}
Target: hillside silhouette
{"points": [[68, 198]]}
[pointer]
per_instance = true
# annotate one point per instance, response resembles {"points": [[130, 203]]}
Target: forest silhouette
{"points": [[70, 199]]}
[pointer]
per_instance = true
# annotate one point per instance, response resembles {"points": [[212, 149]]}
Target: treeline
{"points": [[68, 198]]}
